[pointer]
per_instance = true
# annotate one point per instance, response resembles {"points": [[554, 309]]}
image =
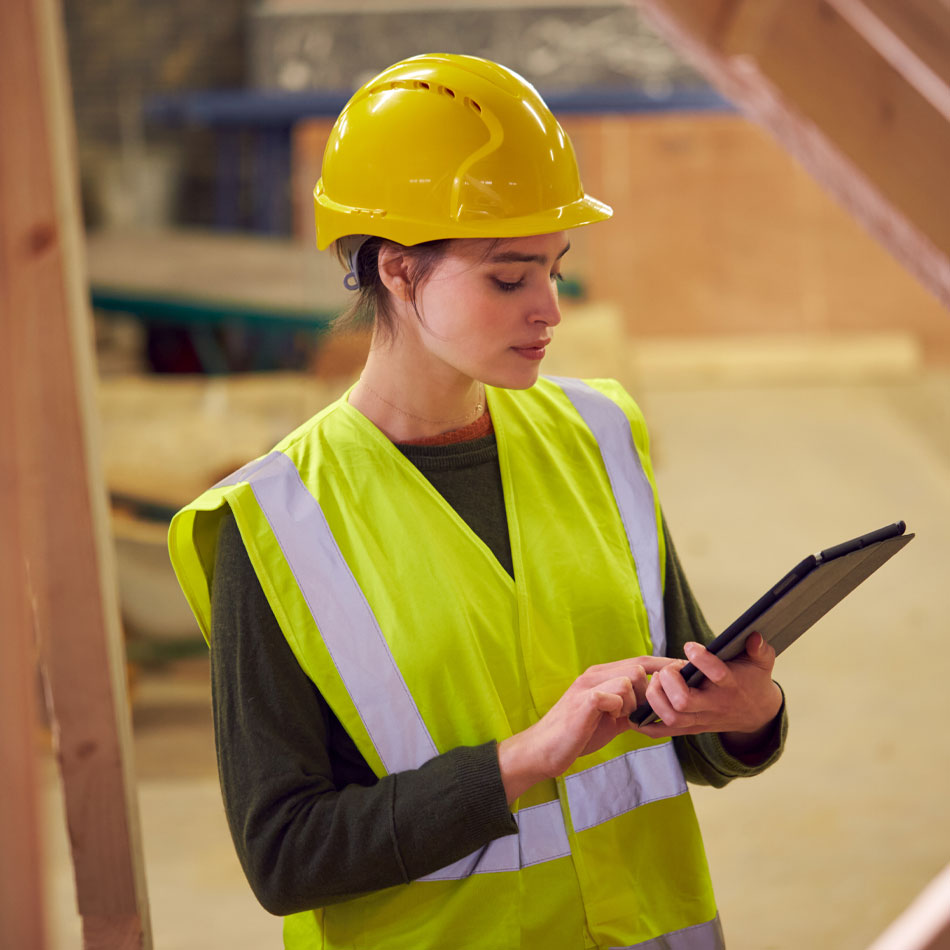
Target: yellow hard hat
{"points": [[448, 146]]}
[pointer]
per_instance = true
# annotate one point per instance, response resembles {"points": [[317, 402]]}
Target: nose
{"points": [[547, 311]]}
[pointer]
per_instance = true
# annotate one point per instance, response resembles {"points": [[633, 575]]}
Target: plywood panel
{"points": [[717, 230]]}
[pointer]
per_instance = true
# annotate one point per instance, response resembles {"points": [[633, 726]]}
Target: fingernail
{"points": [[689, 648]]}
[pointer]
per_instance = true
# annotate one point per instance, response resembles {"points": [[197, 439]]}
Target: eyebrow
{"points": [[513, 257]]}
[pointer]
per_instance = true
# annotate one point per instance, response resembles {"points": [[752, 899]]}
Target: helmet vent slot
{"points": [[423, 86], [473, 104]]}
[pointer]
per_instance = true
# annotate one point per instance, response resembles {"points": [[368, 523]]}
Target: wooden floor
{"points": [[830, 845]]}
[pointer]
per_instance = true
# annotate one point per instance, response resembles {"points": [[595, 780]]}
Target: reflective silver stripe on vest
{"points": [[341, 612], [541, 833], [621, 784], [245, 472], [541, 837], [633, 492], [707, 936], [498, 855]]}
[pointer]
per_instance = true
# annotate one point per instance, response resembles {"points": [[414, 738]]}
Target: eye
{"points": [[557, 276], [507, 287]]}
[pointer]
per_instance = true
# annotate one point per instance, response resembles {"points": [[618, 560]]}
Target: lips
{"points": [[532, 351], [537, 345]]}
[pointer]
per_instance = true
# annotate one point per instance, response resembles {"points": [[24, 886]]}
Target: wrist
{"points": [[519, 768], [751, 746]]}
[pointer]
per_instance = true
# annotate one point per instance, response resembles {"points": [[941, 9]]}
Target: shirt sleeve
{"points": [[703, 758], [311, 823]]}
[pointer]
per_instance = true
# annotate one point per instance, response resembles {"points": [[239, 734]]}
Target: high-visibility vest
{"points": [[420, 642]]}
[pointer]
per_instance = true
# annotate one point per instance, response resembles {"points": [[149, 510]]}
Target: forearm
{"points": [[302, 846], [310, 822]]}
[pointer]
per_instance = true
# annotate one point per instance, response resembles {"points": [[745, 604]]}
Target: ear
{"points": [[393, 266]]}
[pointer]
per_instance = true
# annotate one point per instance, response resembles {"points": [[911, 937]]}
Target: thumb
{"points": [[760, 651]]}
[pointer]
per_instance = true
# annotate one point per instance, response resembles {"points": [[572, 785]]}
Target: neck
{"points": [[408, 403]]}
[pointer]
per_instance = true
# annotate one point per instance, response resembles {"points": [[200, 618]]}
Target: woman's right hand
{"points": [[592, 711]]}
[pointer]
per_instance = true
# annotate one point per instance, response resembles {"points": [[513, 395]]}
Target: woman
{"points": [[433, 606]]}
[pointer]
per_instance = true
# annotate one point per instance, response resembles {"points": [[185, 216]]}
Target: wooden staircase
{"points": [[857, 90]]}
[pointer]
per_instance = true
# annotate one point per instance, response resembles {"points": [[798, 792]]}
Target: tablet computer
{"points": [[804, 595]]}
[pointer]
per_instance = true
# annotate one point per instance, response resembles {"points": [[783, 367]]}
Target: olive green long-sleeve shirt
{"points": [[311, 822]]}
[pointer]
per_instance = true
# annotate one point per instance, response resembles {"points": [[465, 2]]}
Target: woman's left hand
{"points": [[737, 699]]}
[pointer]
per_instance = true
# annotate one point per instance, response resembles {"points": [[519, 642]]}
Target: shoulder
{"points": [[596, 396], [332, 424], [331, 432]]}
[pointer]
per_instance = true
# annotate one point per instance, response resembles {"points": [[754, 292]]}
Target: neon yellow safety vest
{"points": [[420, 642]]}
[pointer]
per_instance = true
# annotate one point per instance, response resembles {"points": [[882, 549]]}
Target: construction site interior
{"points": [[760, 290]]}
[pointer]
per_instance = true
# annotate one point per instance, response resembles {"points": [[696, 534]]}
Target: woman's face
{"points": [[489, 316]]}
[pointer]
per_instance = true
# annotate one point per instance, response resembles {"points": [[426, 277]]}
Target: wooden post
{"points": [[47, 389]]}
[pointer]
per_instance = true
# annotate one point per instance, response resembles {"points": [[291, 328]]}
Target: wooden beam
{"points": [[913, 36], [851, 118], [59, 490]]}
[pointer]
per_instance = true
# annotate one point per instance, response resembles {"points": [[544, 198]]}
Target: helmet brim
{"points": [[406, 231]]}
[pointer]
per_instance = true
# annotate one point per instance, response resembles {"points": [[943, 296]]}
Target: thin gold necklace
{"points": [[471, 414]]}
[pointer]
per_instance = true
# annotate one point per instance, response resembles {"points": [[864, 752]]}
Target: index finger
{"points": [[629, 667], [653, 664]]}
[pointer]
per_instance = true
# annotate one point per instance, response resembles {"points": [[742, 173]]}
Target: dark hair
{"points": [[372, 306]]}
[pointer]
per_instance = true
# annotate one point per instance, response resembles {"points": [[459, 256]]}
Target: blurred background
{"points": [[795, 377]]}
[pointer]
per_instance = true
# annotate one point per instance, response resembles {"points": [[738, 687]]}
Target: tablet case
{"points": [[801, 605], [813, 596]]}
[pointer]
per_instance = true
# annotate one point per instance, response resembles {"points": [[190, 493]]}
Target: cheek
{"points": [[468, 315]]}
